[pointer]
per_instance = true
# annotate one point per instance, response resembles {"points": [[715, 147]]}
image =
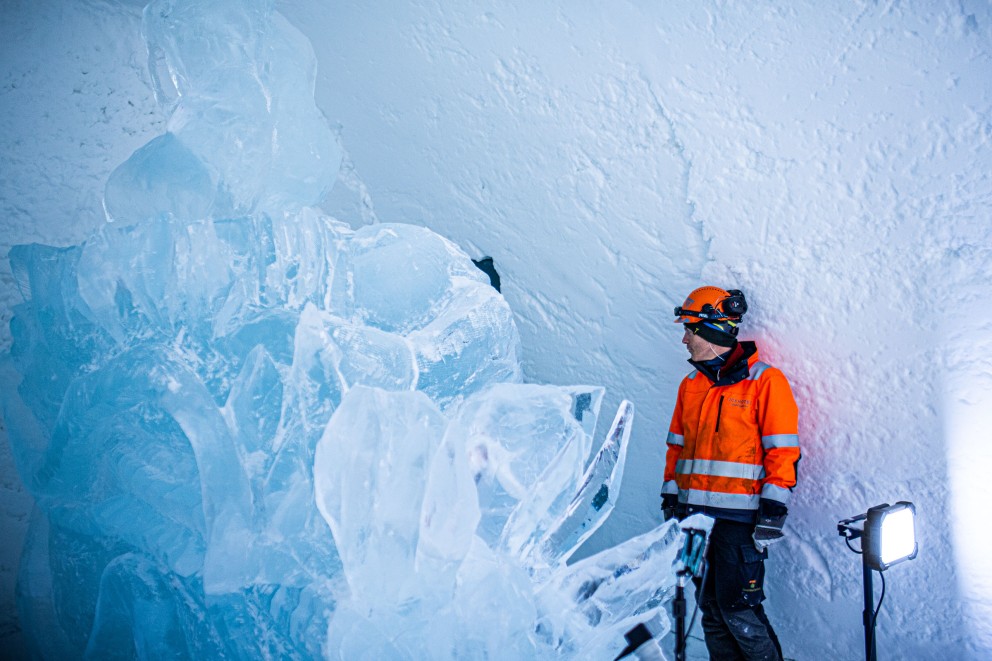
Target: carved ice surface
{"points": [[244, 134], [253, 432], [429, 514]]}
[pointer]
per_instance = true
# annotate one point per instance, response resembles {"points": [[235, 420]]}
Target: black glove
{"points": [[669, 505], [771, 518]]}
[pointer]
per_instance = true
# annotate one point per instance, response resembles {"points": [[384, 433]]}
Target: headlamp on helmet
{"points": [[711, 304]]}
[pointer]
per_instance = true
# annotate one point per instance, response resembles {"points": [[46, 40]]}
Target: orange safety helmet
{"points": [[711, 304]]}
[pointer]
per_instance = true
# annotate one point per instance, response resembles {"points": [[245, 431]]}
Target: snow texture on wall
{"points": [[830, 159]]}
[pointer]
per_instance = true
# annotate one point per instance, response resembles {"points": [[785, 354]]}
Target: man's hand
{"points": [[669, 505], [771, 518]]}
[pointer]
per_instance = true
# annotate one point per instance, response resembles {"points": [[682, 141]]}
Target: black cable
{"points": [[874, 616], [847, 540]]}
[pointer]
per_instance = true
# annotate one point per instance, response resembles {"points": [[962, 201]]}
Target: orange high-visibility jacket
{"points": [[735, 440]]}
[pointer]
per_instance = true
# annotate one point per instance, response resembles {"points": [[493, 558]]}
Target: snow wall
{"points": [[830, 159]]}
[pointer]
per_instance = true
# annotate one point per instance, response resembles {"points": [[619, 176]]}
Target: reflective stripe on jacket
{"points": [[736, 440]]}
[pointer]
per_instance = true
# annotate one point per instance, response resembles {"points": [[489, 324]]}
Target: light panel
{"points": [[890, 535], [898, 536]]}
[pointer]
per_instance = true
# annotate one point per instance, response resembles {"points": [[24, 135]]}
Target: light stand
{"points": [[888, 536], [691, 562], [678, 613], [868, 614]]}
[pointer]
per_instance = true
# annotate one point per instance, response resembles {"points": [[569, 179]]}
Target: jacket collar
{"points": [[735, 369]]}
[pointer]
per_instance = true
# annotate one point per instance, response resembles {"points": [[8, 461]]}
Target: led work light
{"points": [[888, 536]]}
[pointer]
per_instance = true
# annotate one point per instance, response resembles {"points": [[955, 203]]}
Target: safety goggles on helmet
{"points": [[711, 304]]}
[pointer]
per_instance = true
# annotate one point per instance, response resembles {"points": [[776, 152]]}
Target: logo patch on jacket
{"points": [[739, 403]]}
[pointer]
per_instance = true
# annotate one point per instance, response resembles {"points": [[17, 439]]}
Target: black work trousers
{"points": [[734, 622]]}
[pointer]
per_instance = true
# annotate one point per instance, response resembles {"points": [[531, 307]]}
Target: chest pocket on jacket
{"points": [[737, 426]]}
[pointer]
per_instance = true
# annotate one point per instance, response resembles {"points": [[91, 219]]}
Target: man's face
{"points": [[700, 349]]}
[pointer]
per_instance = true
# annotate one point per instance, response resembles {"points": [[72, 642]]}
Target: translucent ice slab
{"points": [[244, 135]]}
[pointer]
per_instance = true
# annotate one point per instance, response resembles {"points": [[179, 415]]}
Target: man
{"points": [[733, 450]]}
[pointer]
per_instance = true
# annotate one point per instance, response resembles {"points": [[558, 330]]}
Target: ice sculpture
{"points": [[254, 432]]}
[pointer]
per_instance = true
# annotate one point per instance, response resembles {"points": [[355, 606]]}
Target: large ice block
{"points": [[369, 472], [524, 485], [243, 135], [594, 501]]}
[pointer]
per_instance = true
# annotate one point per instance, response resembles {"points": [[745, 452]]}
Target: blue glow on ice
{"points": [[253, 432]]}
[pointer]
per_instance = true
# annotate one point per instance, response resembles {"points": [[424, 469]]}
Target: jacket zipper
{"points": [[719, 409]]}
